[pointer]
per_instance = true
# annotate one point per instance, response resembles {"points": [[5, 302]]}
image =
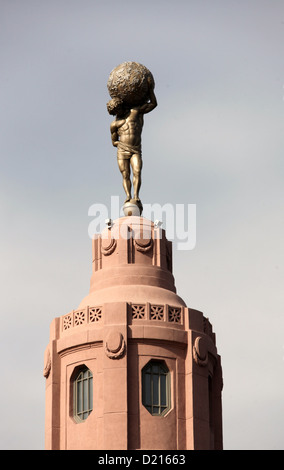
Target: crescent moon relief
{"points": [[115, 345], [200, 353], [143, 245], [108, 247], [47, 364]]}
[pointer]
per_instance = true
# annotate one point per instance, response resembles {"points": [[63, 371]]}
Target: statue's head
{"points": [[115, 106]]}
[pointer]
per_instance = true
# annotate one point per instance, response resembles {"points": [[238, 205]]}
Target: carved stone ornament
{"points": [[114, 345], [47, 364], [200, 352], [108, 246], [143, 244]]}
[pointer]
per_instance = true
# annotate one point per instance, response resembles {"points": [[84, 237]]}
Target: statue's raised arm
{"points": [[152, 103]]}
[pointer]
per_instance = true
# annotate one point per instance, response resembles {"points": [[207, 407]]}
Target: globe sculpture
{"points": [[129, 82]]}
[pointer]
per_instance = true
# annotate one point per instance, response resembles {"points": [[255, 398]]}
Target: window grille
{"points": [[156, 388], [83, 394]]}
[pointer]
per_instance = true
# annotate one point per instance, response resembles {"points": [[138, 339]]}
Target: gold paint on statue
{"points": [[132, 91]]}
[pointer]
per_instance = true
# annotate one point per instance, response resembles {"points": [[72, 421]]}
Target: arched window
{"points": [[156, 387], [83, 394]]}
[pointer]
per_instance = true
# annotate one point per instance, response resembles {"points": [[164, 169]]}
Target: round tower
{"points": [[132, 367]]}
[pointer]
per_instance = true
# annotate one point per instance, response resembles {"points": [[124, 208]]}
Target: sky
{"points": [[215, 140]]}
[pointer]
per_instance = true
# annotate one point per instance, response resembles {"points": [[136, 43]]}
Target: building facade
{"points": [[132, 367]]}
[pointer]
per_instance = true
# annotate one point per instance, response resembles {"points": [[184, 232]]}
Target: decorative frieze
{"points": [[147, 311], [175, 314], [138, 312], [157, 312], [81, 317]]}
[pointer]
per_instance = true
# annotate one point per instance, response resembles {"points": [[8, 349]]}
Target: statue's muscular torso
{"points": [[129, 129]]}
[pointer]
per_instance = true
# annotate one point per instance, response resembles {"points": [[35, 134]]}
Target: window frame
{"points": [[154, 379], [85, 382]]}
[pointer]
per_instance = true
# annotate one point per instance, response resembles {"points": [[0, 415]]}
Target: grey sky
{"points": [[215, 140]]}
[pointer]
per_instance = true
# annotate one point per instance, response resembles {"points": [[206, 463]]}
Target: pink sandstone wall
{"points": [[132, 315]]}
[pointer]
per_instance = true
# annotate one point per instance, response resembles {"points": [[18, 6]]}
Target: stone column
{"points": [[115, 376]]}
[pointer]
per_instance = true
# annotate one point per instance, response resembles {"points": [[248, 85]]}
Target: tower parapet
{"points": [[132, 261]]}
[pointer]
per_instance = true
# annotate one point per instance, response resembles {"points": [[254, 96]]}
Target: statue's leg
{"points": [[124, 166], [136, 164]]}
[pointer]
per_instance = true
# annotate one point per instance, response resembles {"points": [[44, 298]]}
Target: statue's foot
{"points": [[138, 203], [127, 199], [135, 200]]}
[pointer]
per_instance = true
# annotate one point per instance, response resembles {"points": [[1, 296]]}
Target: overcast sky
{"points": [[215, 140]]}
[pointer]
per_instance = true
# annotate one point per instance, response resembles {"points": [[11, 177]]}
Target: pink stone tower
{"points": [[132, 367]]}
